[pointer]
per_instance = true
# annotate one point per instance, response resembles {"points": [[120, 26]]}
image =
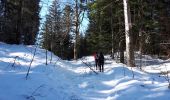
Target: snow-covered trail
{"points": [[117, 83], [73, 80]]}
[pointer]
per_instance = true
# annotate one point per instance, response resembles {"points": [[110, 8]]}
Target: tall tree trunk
{"points": [[52, 44], [112, 53], [121, 48], [19, 35], [141, 45], [121, 45], [128, 34], [46, 45], [76, 32]]}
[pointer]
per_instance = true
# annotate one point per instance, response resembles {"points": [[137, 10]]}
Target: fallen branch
{"points": [[133, 73], [57, 61], [14, 61], [164, 74], [33, 93], [88, 65], [167, 76], [31, 62], [31, 97]]}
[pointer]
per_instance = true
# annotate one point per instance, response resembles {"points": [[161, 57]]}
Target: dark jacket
{"points": [[101, 58]]}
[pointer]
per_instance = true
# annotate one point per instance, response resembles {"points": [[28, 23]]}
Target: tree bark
{"points": [[121, 50], [19, 35], [112, 53], [128, 35], [76, 32]]}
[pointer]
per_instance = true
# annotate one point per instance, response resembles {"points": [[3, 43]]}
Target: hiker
{"points": [[96, 58], [101, 62]]}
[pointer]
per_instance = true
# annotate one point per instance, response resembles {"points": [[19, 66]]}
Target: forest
{"points": [[84, 49], [19, 21], [148, 28], [147, 22]]}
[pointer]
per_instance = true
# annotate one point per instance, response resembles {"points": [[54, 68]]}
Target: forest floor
{"points": [[73, 80]]}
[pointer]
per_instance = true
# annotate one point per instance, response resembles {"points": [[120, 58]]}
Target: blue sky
{"points": [[46, 3], [44, 10], [45, 6]]}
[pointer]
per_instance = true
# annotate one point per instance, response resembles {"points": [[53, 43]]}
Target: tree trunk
{"points": [[112, 53], [46, 45], [19, 35], [76, 32], [128, 34], [121, 45], [121, 48], [141, 45]]}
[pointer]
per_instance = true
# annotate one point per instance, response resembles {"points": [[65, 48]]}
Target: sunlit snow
{"points": [[73, 80]]}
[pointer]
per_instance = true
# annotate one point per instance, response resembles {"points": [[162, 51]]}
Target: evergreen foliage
{"points": [[150, 22], [19, 24], [19, 21], [56, 31]]}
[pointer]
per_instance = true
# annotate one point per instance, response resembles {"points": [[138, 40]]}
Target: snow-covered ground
{"points": [[73, 80]]}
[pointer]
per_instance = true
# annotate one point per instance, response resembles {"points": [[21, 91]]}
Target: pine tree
{"points": [[67, 19], [56, 32]]}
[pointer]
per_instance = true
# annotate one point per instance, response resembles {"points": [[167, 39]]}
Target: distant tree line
{"points": [[19, 21], [150, 32], [60, 33], [149, 26]]}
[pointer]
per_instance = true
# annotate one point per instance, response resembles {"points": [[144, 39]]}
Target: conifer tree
{"points": [[56, 32]]}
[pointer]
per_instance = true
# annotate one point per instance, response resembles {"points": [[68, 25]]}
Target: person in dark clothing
{"points": [[96, 58], [101, 62]]}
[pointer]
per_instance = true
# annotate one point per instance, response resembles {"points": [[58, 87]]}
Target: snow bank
{"points": [[73, 80]]}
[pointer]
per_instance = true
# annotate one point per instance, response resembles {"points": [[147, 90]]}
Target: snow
{"points": [[73, 80]]}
